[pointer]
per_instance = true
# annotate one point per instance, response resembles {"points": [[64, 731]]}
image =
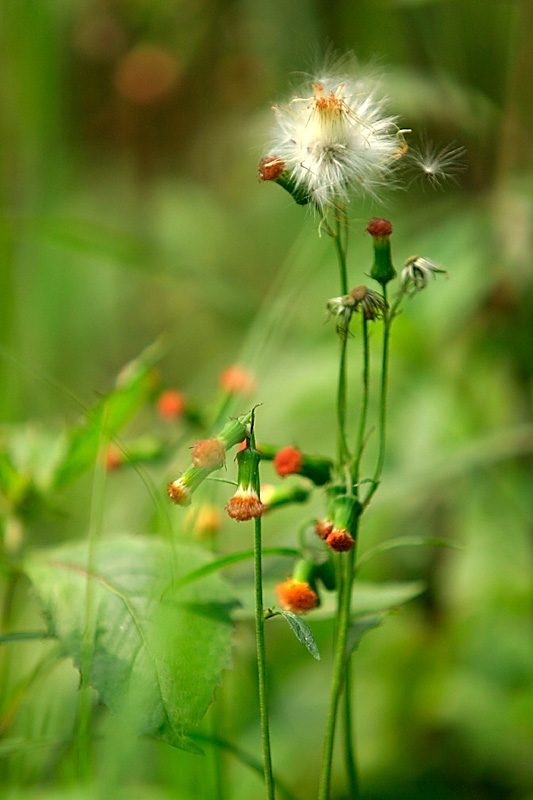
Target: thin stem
{"points": [[261, 661], [340, 238], [339, 670], [342, 444], [349, 744], [364, 405], [387, 322]]}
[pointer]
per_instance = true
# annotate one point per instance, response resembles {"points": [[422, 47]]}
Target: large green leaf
{"points": [[133, 387], [148, 647]]}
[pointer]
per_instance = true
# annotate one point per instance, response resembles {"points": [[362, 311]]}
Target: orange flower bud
{"points": [[296, 596], [245, 505], [340, 540], [287, 461], [171, 404], [237, 380]]}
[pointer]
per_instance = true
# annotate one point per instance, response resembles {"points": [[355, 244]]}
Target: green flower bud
{"points": [[383, 269]]}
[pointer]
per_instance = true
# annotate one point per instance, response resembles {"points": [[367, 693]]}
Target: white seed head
{"points": [[337, 142], [437, 165], [416, 273]]}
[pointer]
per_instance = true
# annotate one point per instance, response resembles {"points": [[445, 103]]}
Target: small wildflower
{"points": [[335, 142], [291, 461], [372, 304], [237, 380], [209, 453], [179, 492], [245, 503], [383, 269], [323, 528], [416, 273], [171, 404], [287, 461], [296, 596], [346, 510], [340, 540], [437, 165]]}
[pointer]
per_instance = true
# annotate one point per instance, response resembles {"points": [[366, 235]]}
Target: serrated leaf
{"points": [[133, 387], [147, 645], [302, 631]]}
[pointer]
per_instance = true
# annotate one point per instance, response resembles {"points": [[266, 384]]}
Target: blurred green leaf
{"points": [[302, 631], [403, 541], [133, 387], [150, 650], [362, 625], [369, 597]]}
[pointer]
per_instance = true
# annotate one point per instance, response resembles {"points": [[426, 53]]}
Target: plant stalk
{"points": [[261, 661]]}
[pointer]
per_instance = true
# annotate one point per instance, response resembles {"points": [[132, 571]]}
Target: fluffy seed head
{"points": [[437, 165], [336, 141], [416, 273]]}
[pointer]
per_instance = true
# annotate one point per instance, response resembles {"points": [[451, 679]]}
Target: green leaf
{"points": [[360, 626], [404, 541], [369, 598], [302, 631], [149, 648], [234, 558], [133, 387]]}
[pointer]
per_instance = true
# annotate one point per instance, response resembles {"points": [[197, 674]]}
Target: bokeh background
{"points": [[130, 210]]}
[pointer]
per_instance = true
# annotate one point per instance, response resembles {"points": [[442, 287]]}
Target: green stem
{"points": [[387, 322], [364, 406], [261, 662], [340, 238], [342, 445], [339, 670], [349, 744]]}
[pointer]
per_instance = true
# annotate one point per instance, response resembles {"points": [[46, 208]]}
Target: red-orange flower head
{"points": [[171, 404], [287, 461], [296, 596], [270, 168], [209, 453], [245, 504], [340, 540], [113, 458], [237, 380], [379, 227], [179, 492]]}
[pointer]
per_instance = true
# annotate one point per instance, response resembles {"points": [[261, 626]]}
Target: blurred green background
{"points": [[130, 209]]}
